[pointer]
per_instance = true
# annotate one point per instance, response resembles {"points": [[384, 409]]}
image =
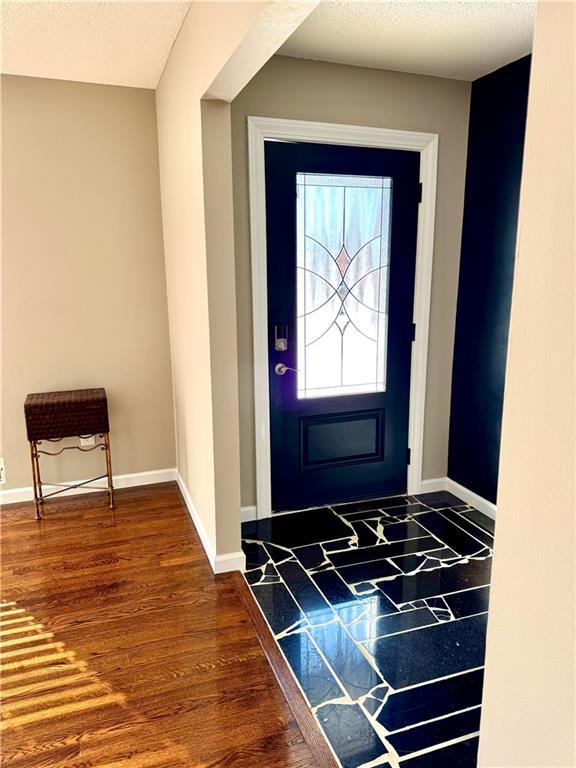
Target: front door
{"points": [[341, 248]]}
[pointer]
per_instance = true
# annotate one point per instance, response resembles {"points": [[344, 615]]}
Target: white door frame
{"points": [[262, 128]]}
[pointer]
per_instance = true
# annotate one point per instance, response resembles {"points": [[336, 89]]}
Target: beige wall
{"points": [[307, 90], [217, 167], [528, 715], [203, 353], [84, 297]]}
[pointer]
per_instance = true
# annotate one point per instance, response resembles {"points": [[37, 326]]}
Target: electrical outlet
{"points": [[85, 442], [2, 471]]}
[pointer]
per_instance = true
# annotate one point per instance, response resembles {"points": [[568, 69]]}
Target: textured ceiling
{"points": [[125, 43], [457, 39]]}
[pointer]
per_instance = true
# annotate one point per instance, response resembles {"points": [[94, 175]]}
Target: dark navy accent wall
{"points": [[494, 168]]}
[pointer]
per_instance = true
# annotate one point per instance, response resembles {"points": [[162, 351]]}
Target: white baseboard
{"points": [[193, 512], [247, 514], [447, 484], [18, 495], [431, 486], [232, 561], [483, 505]]}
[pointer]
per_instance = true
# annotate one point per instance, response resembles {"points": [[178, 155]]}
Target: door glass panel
{"points": [[343, 245]]}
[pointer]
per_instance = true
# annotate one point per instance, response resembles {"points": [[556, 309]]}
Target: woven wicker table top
{"points": [[68, 413]]}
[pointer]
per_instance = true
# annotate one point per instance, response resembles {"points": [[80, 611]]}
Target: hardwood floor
{"points": [[119, 647]]}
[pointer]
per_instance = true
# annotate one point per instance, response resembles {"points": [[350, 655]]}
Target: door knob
{"points": [[280, 369]]}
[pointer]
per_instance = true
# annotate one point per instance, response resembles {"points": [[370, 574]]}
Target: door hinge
{"points": [[408, 455], [420, 192], [413, 331]]}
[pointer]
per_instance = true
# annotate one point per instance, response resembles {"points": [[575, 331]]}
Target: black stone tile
{"points": [[439, 608], [349, 664], [391, 514], [439, 499], [367, 537], [382, 551], [442, 614], [480, 519], [410, 509], [473, 530], [370, 504], [349, 732], [265, 575], [350, 613], [380, 692], [371, 605], [256, 555], [435, 699], [372, 705], [399, 531], [441, 581], [305, 593], [464, 754], [451, 535], [436, 732], [444, 649], [278, 606], [370, 629], [254, 576], [378, 569], [347, 606], [278, 554], [469, 602], [411, 641], [436, 602], [371, 514], [334, 589], [443, 554], [298, 528], [317, 682], [411, 563], [338, 545], [311, 556], [379, 603]]}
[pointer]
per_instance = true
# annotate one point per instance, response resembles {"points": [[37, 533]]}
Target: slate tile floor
{"points": [[380, 609]]}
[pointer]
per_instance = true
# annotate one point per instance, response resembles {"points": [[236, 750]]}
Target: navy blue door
{"points": [[341, 245]]}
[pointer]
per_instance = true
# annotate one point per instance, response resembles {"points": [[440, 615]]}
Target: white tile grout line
{"points": [[438, 679], [434, 719], [437, 747]]}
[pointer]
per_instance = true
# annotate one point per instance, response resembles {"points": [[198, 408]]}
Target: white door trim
{"points": [[262, 128]]}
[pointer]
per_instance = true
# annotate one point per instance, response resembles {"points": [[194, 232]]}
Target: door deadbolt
{"points": [[280, 338]]}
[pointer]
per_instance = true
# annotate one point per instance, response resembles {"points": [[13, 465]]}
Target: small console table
{"points": [[52, 416]]}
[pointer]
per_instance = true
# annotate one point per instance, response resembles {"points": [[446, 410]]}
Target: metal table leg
{"points": [[35, 479], [109, 468]]}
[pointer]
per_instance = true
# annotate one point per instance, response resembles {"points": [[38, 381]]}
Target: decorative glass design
{"points": [[343, 242]]}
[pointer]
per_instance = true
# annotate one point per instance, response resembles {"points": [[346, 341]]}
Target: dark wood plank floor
{"points": [[120, 647]]}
